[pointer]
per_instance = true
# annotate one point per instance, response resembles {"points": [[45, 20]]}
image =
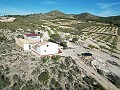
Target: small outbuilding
{"points": [[32, 37], [27, 41], [25, 44]]}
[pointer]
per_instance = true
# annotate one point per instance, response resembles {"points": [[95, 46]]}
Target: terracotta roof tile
{"points": [[30, 35]]}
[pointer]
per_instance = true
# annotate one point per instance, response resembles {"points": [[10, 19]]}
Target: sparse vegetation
{"points": [[20, 36], [91, 81], [31, 73], [114, 79], [91, 46], [55, 83], [2, 38], [4, 81], [45, 59], [56, 38], [74, 40], [56, 58], [43, 77]]}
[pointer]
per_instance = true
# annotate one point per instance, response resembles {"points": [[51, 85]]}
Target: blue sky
{"points": [[96, 7]]}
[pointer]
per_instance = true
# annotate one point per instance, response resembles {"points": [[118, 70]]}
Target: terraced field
{"points": [[102, 29], [104, 36]]}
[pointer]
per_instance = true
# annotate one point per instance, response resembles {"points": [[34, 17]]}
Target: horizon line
{"points": [[54, 10]]}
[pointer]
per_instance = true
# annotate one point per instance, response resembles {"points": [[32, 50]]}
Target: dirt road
{"points": [[90, 71]]}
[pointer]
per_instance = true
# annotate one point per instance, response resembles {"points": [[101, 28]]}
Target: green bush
{"points": [[56, 38], [2, 38], [45, 59], [70, 78], [74, 40], [28, 87], [55, 83], [64, 44], [117, 83], [43, 77], [20, 36], [4, 82], [67, 61], [90, 81], [56, 57], [91, 46]]}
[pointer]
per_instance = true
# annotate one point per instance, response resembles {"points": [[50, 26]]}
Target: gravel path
{"points": [[74, 49], [90, 71]]}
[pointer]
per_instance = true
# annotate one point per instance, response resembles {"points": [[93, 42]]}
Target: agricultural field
{"points": [[105, 36], [102, 29], [55, 73]]}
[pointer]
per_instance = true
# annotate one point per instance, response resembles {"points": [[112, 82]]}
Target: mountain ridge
{"points": [[86, 15], [54, 14], [60, 12]]}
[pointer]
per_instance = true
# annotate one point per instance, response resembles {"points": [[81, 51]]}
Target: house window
{"points": [[34, 37], [45, 51], [29, 46], [47, 45]]}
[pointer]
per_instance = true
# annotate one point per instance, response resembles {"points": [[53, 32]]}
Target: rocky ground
{"points": [[103, 63], [20, 70]]}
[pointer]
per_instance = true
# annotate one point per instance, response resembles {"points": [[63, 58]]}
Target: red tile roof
{"points": [[30, 35]]}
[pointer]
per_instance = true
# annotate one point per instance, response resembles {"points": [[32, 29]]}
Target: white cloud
{"points": [[106, 5], [106, 13], [51, 3]]}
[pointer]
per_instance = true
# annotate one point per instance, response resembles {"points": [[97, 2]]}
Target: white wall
{"points": [[49, 48], [33, 38], [27, 47]]}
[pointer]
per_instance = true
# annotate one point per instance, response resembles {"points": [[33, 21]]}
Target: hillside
{"points": [[115, 20], [21, 70], [85, 16], [55, 12], [58, 14], [112, 20]]}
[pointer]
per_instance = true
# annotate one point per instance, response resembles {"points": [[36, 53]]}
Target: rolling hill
{"points": [[113, 20], [58, 14], [84, 16]]}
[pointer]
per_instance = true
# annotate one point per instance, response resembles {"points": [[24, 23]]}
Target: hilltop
{"points": [[55, 12], [58, 14], [85, 16]]}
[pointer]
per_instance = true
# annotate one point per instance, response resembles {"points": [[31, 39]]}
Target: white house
{"points": [[45, 48], [32, 37], [31, 42]]}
